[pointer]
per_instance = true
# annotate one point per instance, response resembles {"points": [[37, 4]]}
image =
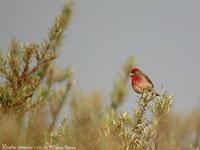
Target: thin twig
{"points": [[57, 111]]}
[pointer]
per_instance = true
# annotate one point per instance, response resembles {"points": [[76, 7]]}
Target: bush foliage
{"points": [[33, 92]]}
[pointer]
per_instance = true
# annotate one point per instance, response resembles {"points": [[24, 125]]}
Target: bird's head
{"points": [[135, 71]]}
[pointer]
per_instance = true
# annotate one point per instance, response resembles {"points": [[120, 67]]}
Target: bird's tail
{"points": [[157, 94], [154, 91]]}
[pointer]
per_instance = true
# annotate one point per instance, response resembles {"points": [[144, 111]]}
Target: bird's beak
{"points": [[130, 74]]}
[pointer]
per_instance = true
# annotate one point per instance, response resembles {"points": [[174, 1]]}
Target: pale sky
{"points": [[164, 36]]}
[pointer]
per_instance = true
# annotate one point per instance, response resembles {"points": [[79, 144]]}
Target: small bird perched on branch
{"points": [[140, 81]]}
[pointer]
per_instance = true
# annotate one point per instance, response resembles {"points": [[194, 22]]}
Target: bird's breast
{"points": [[136, 80], [140, 84]]}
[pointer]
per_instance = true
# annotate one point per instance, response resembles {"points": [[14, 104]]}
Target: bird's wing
{"points": [[149, 80]]}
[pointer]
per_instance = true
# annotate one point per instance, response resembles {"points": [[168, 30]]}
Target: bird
{"points": [[140, 81]]}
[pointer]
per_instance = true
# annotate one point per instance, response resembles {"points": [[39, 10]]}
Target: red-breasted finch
{"points": [[140, 81]]}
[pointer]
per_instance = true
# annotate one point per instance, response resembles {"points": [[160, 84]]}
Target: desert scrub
{"points": [[32, 88], [33, 91]]}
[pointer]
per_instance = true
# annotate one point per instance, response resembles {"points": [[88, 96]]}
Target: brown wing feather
{"points": [[148, 79]]}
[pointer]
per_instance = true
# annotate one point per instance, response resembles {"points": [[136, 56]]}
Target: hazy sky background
{"points": [[164, 36]]}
